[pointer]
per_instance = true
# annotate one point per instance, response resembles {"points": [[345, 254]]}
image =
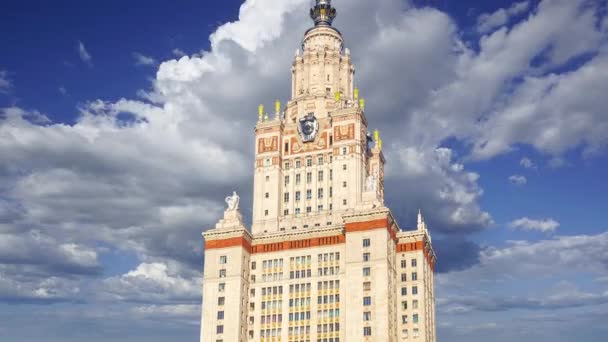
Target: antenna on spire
{"points": [[323, 13]]}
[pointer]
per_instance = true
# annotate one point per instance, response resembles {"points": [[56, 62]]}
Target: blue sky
{"points": [[123, 123]]}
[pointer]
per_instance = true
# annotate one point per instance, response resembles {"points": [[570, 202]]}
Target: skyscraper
{"points": [[325, 259]]}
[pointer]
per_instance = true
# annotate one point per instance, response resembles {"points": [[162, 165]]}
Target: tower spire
{"points": [[323, 13]]}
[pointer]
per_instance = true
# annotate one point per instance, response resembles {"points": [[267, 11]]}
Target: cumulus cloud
{"points": [[84, 55], [152, 283], [523, 262], [518, 179], [547, 225], [143, 60], [487, 22]]}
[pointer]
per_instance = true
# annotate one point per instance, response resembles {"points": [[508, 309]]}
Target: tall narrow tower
{"points": [[325, 259]]}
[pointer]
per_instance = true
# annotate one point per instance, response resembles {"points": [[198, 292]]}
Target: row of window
{"points": [[415, 319], [298, 197], [404, 290], [309, 161], [414, 276], [414, 304]]}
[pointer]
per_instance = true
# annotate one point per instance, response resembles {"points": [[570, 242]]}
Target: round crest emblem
{"points": [[308, 127]]}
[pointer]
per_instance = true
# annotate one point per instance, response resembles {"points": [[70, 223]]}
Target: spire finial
{"points": [[323, 13], [420, 225]]}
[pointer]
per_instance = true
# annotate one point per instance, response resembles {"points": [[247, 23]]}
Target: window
{"points": [[320, 176], [343, 150], [298, 164], [365, 256], [367, 286], [331, 174], [308, 209], [220, 315], [403, 263], [367, 316], [320, 193], [286, 147], [308, 177], [366, 271], [308, 194], [415, 304], [414, 262], [403, 319], [367, 301], [253, 265], [286, 180], [286, 197], [286, 212], [404, 305], [403, 276], [319, 208], [344, 184], [221, 287], [414, 276], [221, 300], [416, 332], [297, 195], [265, 212], [223, 259], [308, 161], [404, 333], [266, 195], [344, 167], [331, 191], [297, 210], [219, 329], [415, 318], [366, 242], [253, 278], [344, 202], [414, 290], [286, 166], [267, 177], [367, 331], [222, 273], [297, 179], [320, 160], [404, 291]]}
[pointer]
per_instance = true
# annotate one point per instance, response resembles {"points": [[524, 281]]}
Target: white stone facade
{"points": [[324, 260]]}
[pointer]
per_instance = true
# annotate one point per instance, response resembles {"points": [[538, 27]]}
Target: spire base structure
{"points": [[323, 13]]}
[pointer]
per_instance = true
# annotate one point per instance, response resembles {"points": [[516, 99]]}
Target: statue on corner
{"points": [[371, 183], [233, 202]]}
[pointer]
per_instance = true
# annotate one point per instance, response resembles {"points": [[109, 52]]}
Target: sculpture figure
{"points": [[233, 202]]}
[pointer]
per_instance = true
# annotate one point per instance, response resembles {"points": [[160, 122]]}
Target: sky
{"points": [[123, 125]]}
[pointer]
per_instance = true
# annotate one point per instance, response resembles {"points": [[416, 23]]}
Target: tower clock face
{"points": [[308, 127]]}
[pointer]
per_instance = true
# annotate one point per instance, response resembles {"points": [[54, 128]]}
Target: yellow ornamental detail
{"points": [[260, 112], [277, 106], [337, 95], [362, 104], [356, 93], [376, 135]]}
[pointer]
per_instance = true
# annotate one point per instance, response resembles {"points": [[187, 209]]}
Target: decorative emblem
{"points": [[308, 127]]}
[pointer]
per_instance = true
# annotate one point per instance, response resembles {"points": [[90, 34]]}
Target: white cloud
{"points": [[178, 52], [488, 22], [547, 225], [153, 283], [143, 60], [63, 90], [5, 82], [518, 179], [527, 163], [84, 55]]}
